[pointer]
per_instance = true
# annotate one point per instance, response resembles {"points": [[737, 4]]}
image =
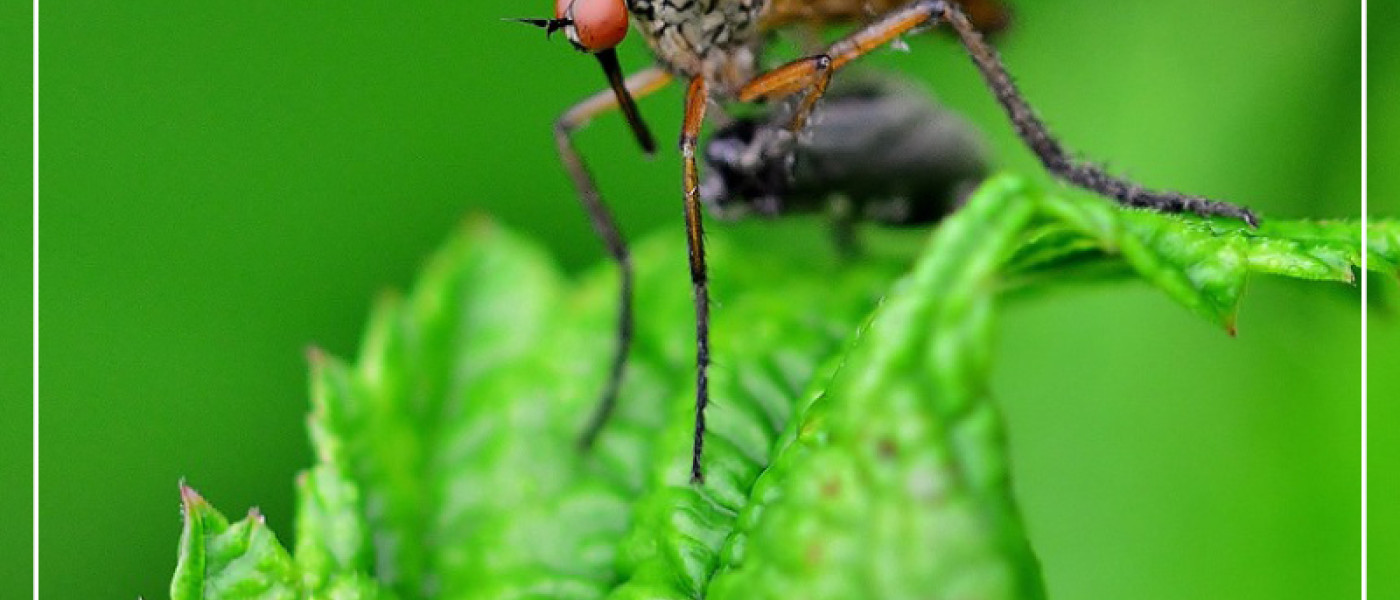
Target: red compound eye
{"points": [[598, 24]]}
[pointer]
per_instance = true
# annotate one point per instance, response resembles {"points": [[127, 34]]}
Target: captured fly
{"points": [[877, 150]]}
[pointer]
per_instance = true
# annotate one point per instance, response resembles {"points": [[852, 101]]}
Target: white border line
{"points": [[1365, 289], [34, 310]]}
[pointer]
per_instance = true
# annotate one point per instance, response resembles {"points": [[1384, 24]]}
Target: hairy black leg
{"points": [[696, 99], [811, 74], [606, 227], [1051, 154]]}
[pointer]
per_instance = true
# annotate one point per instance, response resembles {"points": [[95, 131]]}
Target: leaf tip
{"points": [[190, 498]]}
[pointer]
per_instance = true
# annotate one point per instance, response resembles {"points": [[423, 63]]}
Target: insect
{"points": [[883, 151], [715, 47]]}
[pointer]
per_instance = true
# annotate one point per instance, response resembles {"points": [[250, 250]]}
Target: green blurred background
{"points": [[16, 294], [1383, 171], [228, 183]]}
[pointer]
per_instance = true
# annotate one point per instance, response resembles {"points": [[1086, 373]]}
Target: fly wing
{"points": [[989, 16]]}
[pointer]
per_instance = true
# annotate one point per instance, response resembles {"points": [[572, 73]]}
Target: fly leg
{"points": [[811, 74], [844, 218], [1056, 160], [640, 84], [697, 97]]}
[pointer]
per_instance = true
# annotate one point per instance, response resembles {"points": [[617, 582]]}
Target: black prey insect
{"points": [[881, 152], [715, 47]]}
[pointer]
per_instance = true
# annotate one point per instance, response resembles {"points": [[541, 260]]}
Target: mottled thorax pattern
{"points": [[714, 38]]}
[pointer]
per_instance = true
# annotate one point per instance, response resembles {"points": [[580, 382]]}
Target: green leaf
{"points": [[896, 484], [219, 560], [463, 410], [1201, 263], [334, 552], [768, 346], [1383, 246], [841, 459]]}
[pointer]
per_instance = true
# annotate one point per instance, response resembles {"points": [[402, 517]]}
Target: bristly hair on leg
{"points": [[641, 84], [1051, 154]]}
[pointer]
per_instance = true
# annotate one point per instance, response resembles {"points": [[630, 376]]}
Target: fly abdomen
{"points": [[879, 144]]}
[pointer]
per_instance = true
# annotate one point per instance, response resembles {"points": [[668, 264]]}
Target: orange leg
{"points": [[643, 83], [812, 74], [697, 98]]}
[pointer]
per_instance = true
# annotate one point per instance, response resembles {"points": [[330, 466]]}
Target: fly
{"points": [[715, 47], [883, 151]]}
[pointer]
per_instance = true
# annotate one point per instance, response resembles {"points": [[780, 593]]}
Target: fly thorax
{"points": [[714, 38]]}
